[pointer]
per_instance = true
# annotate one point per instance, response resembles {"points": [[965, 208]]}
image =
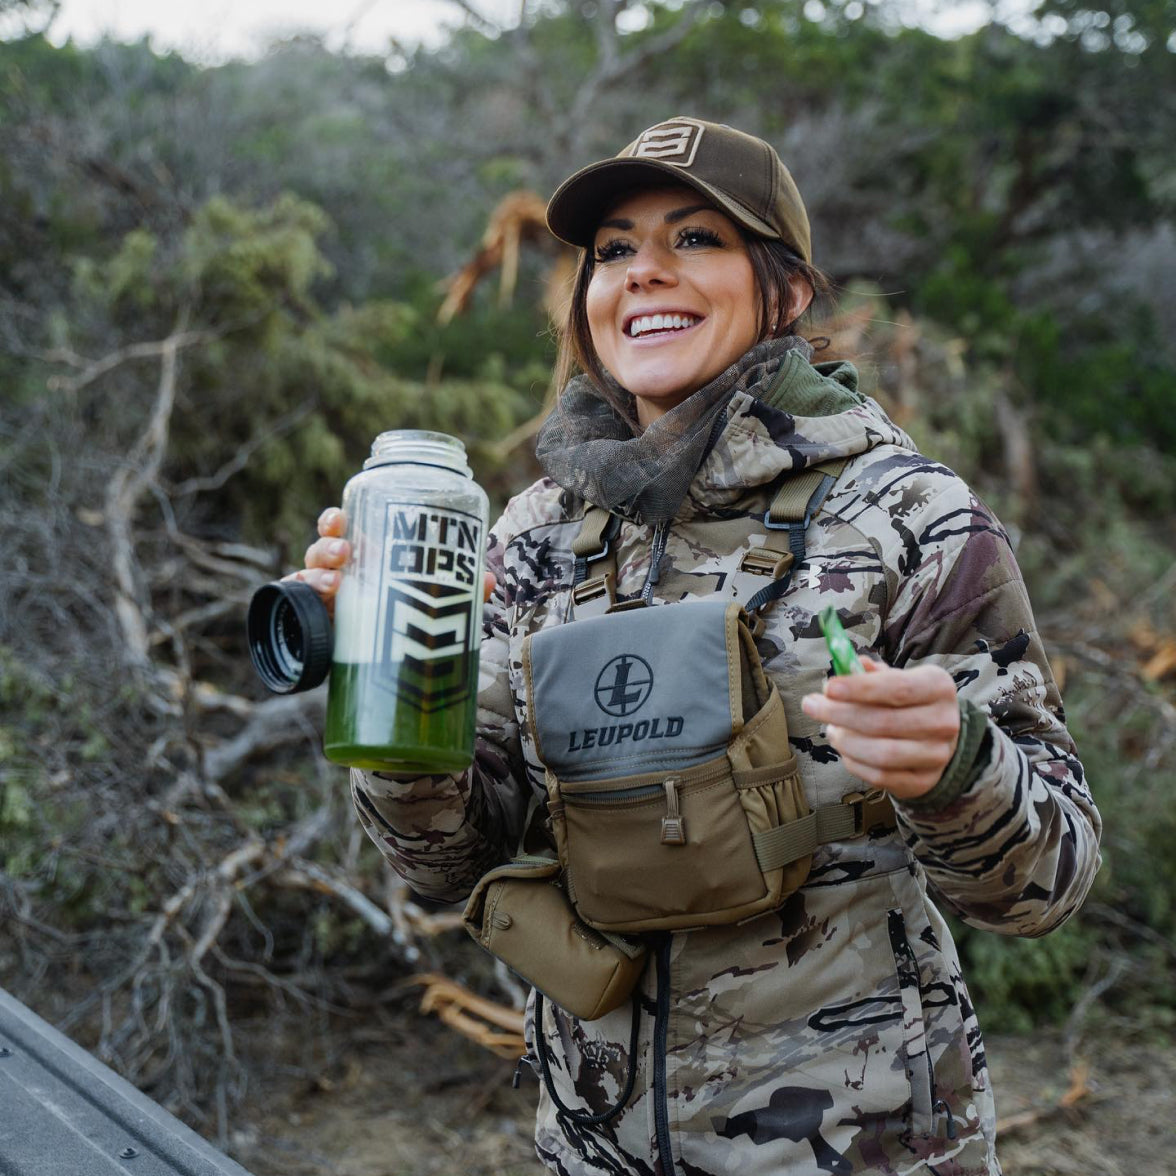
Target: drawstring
{"points": [[951, 1127], [525, 1060], [583, 1118]]}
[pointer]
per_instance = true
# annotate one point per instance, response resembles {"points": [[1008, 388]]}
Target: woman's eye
{"points": [[611, 250], [699, 236]]}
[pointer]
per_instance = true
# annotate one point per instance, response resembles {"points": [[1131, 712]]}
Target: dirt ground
{"points": [[401, 1105]]}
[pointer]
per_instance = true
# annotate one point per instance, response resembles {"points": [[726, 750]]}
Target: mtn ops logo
{"points": [[624, 685]]}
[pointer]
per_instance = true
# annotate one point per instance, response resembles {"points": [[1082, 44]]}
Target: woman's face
{"points": [[672, 301]]}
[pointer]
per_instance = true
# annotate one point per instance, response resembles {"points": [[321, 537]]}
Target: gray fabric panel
{"points": [[633, 691]]}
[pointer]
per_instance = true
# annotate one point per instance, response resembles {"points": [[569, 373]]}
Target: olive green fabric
{"points": [[520, 914], [965, 764]]}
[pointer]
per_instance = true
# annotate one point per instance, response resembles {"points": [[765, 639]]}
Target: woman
{"points": [[834, 1034]]}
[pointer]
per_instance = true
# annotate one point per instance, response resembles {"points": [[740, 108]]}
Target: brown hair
{"points": [[773, 263]]}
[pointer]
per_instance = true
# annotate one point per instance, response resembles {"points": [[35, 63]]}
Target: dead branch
{"points": [[491, 1025], [613, 67], [1079, 1090], [1124, 677], [92, 369], [478, 18], [225, 873], [1019, 460], [1101, 910], [244, 452], [518, 217], [1118, 969], [194, 617], [122, 497], [303, 875], [272, 723]]}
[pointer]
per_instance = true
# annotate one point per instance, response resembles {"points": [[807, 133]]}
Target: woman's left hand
{"points": [[894, 729]]}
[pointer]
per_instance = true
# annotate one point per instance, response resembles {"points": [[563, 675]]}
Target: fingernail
{"points": [[809, 703], [328, 515], [337, 547], [329, 579]]}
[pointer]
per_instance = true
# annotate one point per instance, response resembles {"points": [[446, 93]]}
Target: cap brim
{"points": [[580, 202]]}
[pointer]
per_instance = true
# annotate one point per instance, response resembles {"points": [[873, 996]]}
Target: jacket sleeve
{"points": [[1015, 850], [441, 833]]}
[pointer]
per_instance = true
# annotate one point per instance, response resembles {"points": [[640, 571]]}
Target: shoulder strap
{"points": [[596, 594], [796, 501]]}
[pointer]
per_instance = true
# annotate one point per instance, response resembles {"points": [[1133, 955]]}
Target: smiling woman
{"points": [[717, 862]]}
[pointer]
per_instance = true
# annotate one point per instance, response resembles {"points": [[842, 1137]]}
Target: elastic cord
{"points": [[583, 1118]]}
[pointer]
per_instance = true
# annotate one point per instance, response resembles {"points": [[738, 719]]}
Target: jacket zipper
{"points": [[661, 1109], [657, 550]]}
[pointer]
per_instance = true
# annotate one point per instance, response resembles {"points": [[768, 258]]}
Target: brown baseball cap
{"points": [[743, 175]]}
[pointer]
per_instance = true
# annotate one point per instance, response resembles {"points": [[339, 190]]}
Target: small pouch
{"points": [[520, 913], [672, 787]]}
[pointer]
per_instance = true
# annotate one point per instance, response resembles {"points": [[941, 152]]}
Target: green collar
{"points": [[813, 390]]}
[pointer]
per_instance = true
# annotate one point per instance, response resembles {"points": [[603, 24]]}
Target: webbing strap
{"points": [[593, 545], [591, 542], [792, 508], [625, 946], [854, 817]]}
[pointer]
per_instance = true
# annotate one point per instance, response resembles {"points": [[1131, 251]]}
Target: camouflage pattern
{"points": [[835, 1034]]}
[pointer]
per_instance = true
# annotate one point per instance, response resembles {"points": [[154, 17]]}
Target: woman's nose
{"points": [[650, 266]]}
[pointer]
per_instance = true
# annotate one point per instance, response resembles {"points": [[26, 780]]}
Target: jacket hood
{"points": [[770, 412], [803, 415]]}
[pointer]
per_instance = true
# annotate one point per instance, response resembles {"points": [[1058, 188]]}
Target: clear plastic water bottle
{"points": [[408, 614]]}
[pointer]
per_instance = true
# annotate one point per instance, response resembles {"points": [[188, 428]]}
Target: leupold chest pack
{"points": [[674, 797]]}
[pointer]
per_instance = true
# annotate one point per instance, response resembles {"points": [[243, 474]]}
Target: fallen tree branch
{"points": [[272, 723], [492, 1026], [1080, 1090], [136, 473]]}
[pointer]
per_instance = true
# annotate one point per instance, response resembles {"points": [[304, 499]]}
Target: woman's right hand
{"points": [[325, 557]]}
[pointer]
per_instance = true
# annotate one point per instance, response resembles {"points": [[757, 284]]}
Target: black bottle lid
{"points": [[290, 638]]}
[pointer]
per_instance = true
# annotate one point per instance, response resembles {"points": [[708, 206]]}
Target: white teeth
{"points": [[660, 322]]}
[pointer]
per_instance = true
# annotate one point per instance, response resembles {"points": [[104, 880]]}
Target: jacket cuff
{"points": [[971, 754]]}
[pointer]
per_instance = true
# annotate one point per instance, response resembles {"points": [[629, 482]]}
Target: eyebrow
{"points": [[671, 218]]}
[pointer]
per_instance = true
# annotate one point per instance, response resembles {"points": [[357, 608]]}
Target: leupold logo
{"points": [[623, 686]]}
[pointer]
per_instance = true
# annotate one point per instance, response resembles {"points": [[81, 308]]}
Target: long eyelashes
{"points": [[691, 237], [611, 250]]}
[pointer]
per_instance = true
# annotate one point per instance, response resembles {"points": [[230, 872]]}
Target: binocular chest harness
{"points": [[674, 797]]}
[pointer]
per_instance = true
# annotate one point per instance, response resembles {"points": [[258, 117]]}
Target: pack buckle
{"points": [[763, 561], [871, 810]]}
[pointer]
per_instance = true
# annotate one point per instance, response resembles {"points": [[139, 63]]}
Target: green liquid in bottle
{"points": [[405, 717]]}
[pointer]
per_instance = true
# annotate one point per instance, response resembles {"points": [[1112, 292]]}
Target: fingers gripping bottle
{"points": [[408, 614]]}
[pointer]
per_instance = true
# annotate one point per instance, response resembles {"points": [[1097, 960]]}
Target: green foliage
{"points": [[292, 218], [1024, 984]]}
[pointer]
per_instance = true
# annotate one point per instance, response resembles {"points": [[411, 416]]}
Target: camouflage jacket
{"points": [[835, 1034]]}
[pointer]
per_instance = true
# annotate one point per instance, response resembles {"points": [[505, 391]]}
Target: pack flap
{"points": [[635, 691]]}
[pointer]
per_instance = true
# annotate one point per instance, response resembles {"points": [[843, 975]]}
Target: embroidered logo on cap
{"points": [[671, 142]]}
